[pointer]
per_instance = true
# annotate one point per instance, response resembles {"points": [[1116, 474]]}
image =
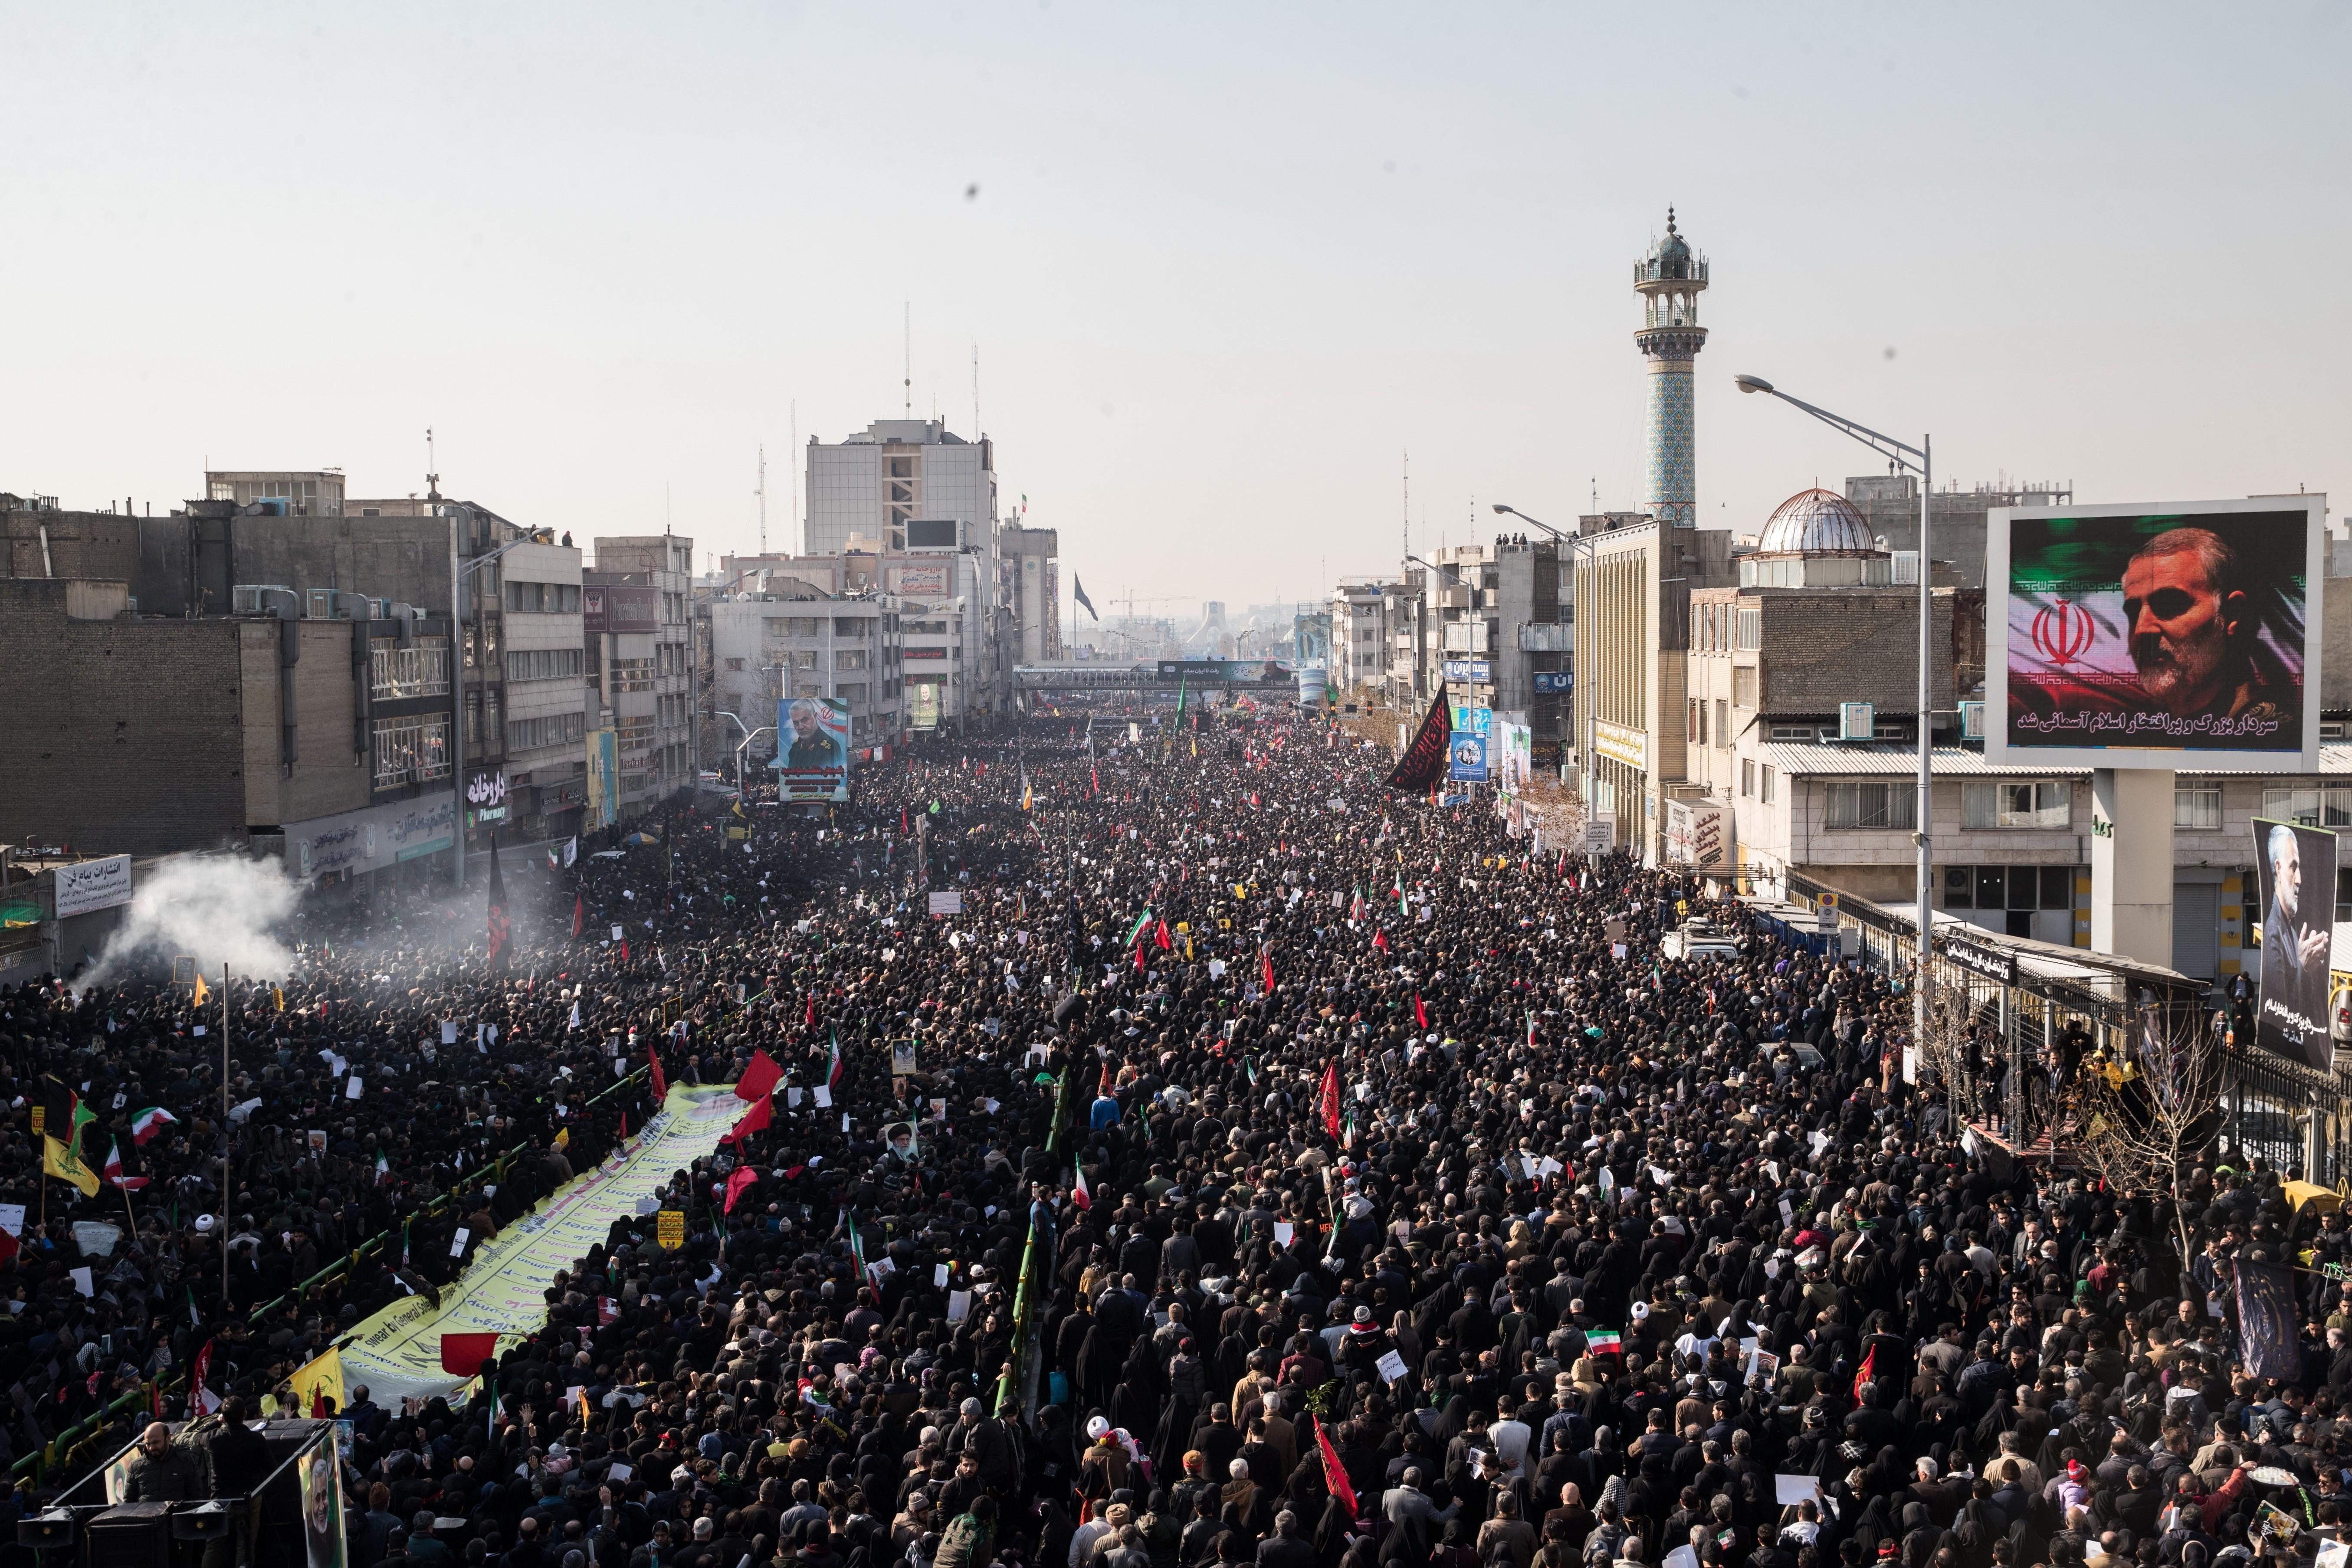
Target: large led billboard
{"points": [[2143, 637]]}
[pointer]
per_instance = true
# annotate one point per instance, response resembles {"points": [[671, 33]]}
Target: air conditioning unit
{"points": [[264, 599], [1854, 720], [1972, 721]]}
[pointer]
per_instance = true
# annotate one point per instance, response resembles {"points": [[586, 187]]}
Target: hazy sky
{"points": [[1224, 266]]}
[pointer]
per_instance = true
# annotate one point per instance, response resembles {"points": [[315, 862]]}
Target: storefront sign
{"points": [[1549, 684], [1469, 670], [486, 797], [93, 885], [1992, 962], [371, 838]]}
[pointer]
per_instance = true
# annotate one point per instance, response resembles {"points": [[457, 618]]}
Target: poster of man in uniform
{"points": [[322, 1506], [2297, 868], [813, 764], [2128, 636]]}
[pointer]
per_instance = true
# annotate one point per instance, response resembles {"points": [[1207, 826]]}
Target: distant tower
{"points": [[1669, 281]]}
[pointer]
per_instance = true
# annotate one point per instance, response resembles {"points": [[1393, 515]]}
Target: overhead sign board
{"points": [[1469, 670], [1549, 682], [619, 607], [2180, 636], [1621, 744]]}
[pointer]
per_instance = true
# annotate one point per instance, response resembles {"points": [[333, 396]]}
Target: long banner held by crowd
{"points": [[398, 1351]]}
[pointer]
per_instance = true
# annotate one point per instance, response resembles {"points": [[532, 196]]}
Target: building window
{"points": [[1764, 785], [2196, 802], [1872, 805], [2312, 804], [734, 664], [1747, 778], [412, 748], [546, 663], [1994, 803], [1751, 628], [2008, 887], [1745, 686], [398, 669], [1722, 722], [1695, 723]]}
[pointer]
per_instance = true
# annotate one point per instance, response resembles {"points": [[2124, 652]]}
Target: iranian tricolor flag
{"points": [[113, 1168], [1078, 1194], [1603, 1341], [202, 1398], [833, 1071], [148, 1122]]}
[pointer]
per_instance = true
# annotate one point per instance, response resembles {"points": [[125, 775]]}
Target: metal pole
{"points": [[456, 707], [1923, 837], [225, 1134]]}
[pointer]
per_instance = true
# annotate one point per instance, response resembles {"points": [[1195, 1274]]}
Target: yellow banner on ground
{"points": [[398, 1351]]}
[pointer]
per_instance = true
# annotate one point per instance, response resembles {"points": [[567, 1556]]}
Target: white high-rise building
{"points": [[894, 473]]}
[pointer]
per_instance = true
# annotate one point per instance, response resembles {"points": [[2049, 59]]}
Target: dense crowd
{"points": [[1384, 1196]]}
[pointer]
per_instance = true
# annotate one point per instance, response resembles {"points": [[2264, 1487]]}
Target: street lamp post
{"points": [[1589, 708], [1916, 459]]}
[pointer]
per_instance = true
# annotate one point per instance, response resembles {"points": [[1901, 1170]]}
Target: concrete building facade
{"points": [[894, 473], [637, 630]]}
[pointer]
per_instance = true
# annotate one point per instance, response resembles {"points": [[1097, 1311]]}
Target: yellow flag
{"points": [[564, 1139], [280, 992], [322, 1376], [201, 992], [63, 1162]]}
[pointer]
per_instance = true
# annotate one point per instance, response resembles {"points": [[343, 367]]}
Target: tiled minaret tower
{"points": [[1670, 279]]}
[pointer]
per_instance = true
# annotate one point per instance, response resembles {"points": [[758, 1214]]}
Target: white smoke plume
{"points": [[218, 909]]}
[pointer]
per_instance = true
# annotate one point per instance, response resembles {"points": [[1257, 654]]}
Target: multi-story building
{"points": [[1633, 589], [1031, 589], [637, 622], [1888, 505], [770, 647], [880, 482], [1800, 731], [317, 726], [1360, 635], [543, 702]]}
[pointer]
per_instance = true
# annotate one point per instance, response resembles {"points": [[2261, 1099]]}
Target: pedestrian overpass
{"points": [[1253, 675]]}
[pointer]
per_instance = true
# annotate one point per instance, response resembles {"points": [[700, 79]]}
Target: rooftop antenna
{"points": [[909, 368], [665, 507], [762, 493], [1596, 495], [1406, 533], [432, 477]]}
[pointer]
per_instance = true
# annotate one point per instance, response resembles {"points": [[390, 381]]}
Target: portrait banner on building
{"points": [[813, 756], [2155, 636], [1467, 757], [2294, 866]]}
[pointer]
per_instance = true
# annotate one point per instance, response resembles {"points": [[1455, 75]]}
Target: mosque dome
{"points": [[1817, 523]]}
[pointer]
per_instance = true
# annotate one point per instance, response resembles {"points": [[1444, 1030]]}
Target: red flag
{"points": [[624, 950], [579, 914], [1379, 941], [808, 1016], [498, 928], [607, 1311], [1331, 1097], [1105, 1086], [1266, 969], [904, 827], [462, 1355], [1420, 1011], [1335, 1474], [741, 1182], [755, 1119], [1165, 941], [661, 1082], [760, 1076], [1862, 1379]]}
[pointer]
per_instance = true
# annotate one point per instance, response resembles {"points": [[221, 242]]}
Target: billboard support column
{"points": [[2131, 864]]}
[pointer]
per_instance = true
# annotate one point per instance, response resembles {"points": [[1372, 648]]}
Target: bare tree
{"points": [[2141, 1115]]}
